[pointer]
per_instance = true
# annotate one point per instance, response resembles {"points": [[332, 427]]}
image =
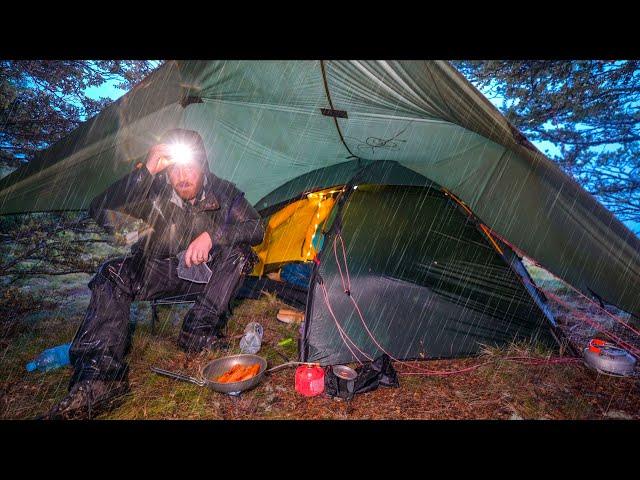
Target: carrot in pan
{"points": [[249, 372], [224, 378], [238, 373]]}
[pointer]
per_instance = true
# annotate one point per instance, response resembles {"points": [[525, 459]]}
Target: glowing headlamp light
{"points": [[181, 154]]}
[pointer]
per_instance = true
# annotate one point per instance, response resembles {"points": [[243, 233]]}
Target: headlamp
{"points": [[181, 154]]}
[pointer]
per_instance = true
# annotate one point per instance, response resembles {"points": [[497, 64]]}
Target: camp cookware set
{"points": [[215, 368]]}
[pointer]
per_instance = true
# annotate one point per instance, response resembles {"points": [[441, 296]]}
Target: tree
{"points": [[60, 243], [41, 101], [590, 110]]}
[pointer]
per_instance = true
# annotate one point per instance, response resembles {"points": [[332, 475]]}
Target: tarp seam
{"points": [[335, 120]]}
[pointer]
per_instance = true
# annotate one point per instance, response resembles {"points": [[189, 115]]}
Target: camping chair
{"points": [[186, 298], [252, 287]]}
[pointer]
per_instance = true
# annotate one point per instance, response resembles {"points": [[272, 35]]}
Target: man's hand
{"points": [[158, 159], [198, 251]]}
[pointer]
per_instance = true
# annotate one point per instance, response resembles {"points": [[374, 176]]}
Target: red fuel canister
{"points": [[309, 380]]}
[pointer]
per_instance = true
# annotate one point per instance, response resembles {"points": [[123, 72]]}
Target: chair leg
{"points": [[154, 316]]}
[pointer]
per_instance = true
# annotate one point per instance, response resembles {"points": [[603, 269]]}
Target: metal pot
{"points": [[346, 377], [609, 359], [216, 368]]}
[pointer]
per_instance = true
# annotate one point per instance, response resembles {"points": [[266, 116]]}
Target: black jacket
{"points": [[220, 209]]}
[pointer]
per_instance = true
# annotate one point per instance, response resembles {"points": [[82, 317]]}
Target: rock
{"points": [[515, 416], [134, 313], [618, 415]]}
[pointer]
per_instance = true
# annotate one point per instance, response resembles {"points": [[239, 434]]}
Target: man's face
{"points": [[186, 179]]}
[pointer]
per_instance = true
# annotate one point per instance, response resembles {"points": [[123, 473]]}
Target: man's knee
{"points": [[230, 267], [241, 256], [115, 272]]}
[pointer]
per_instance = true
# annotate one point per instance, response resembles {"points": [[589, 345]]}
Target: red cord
{"points": [[527, 360], [348, 292], [347, 289], [580, 316], [342, 333], [591, 301]]}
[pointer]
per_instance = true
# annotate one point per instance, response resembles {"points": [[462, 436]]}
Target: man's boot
{"points": [[195, 343], [89, 398], [204, 322]]}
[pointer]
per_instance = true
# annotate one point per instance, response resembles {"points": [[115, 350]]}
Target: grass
{"points": [[47, 314]]}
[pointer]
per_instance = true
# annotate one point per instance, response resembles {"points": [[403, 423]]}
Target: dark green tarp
{"points": [[263, 126]]}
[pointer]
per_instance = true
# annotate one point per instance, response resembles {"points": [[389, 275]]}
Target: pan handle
{"points": [[284, 365], [178, 376]]}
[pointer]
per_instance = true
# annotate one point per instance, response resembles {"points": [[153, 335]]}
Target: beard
{"points": [[187, 191]]}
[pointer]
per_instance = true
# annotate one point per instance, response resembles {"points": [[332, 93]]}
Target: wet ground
{"points": [[529, 388]]}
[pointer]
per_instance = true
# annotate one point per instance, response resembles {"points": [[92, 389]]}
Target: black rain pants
{"points": [[101, 343]]}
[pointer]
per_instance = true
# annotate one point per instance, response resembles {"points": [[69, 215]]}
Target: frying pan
{"points": [[217, 367]]}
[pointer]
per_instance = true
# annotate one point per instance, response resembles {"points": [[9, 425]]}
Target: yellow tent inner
{"points": [[293, 233]]}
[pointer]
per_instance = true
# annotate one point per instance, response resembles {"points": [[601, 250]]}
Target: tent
{"points": [[406, 269], [417, 155]]}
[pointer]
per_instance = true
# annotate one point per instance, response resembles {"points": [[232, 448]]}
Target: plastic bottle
{"points": [[51, 358], [252, 338]]}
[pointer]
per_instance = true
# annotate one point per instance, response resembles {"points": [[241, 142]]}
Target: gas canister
{"points": [[309, 380]]}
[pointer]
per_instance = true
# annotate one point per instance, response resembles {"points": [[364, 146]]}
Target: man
{"points": [[202, 232]]}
